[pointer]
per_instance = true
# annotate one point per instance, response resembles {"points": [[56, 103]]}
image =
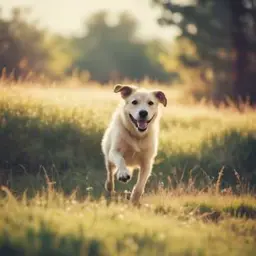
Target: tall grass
{"points": [[59, 131]]}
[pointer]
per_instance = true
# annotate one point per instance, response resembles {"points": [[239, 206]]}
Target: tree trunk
{"points": [[241, 49]]}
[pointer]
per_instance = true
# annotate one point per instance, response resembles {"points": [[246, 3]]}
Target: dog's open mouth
{"points": [[141, 124]]}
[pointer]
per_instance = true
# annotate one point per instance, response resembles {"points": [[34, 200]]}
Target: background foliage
{"points": [[223, 34], [214, 56]]}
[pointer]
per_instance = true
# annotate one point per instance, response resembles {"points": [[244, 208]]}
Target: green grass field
{"points": [[53, 224], [199, 200]]}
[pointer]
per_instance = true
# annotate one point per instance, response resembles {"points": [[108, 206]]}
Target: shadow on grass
{"points": [[46, 241], [241, 211], [232, 150], [209, 212], [32, 143], [31, 149]]}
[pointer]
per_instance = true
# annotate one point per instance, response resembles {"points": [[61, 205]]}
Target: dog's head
{"points": [[141, 105]]}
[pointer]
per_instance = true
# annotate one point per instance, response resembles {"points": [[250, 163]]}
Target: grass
{"points": [[199, 199], [59, 130], [54, 224]]}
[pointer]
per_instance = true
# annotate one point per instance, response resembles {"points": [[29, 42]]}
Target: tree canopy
{"points": [[113, 52], [25, 48], [224, 35], [107, 52]]}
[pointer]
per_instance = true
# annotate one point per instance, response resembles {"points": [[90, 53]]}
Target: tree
{"points": [[243, 19], [24, 48], [113, 52], [219, 29]]}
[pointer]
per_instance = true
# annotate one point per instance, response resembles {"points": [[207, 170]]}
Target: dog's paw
{"points": [[124, 175]]}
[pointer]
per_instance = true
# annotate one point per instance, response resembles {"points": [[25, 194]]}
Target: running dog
{"points": [[131, 139]]}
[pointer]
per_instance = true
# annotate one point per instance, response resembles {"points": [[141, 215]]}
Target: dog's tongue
{"points": [[142, 124]]}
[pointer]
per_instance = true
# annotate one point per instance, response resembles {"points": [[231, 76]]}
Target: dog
{"points": [[131, 139]]}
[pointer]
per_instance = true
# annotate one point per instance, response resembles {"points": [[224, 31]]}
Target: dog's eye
{"points": [[134, 102], [150, 103]]}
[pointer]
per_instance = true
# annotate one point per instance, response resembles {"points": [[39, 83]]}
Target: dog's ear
{"points": [[161, 97], [125, 90]]}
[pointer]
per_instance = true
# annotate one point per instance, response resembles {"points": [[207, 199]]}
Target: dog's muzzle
{"points": [[141, 124]]}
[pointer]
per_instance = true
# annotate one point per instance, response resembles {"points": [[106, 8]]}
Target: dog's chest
{"points": [[133, 152]]}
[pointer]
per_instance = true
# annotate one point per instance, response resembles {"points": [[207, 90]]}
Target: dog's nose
{"points": [[143, 113]]}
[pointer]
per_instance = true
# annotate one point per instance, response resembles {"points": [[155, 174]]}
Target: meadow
{"points": [[199, 200]]}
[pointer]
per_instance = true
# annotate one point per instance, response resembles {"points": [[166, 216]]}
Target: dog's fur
{"points": [[132, 141]]}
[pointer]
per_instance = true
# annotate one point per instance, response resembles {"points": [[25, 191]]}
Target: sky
{"points": [[67, 16]]}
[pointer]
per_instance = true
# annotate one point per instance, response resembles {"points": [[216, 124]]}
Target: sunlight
{"points": [[72, 14]]}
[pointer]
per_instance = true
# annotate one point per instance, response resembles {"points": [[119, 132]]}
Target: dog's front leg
{"points": [[123, 174], [144, 173]]}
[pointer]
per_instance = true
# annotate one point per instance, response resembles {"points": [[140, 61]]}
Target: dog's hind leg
{"points": [[110, 182], [138, 189]]}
